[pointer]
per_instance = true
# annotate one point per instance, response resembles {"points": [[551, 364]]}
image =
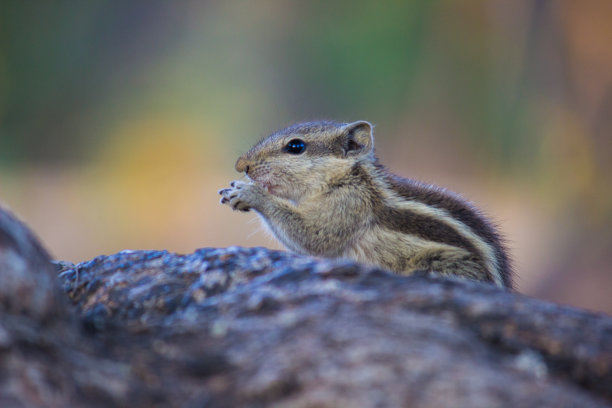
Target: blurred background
{"points": [[119, 121]]}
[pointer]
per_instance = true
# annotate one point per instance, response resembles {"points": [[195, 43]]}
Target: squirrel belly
{"points": [[321, 191]]}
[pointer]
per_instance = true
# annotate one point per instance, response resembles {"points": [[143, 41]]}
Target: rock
{"points": [[28, 280], [255, 327]]}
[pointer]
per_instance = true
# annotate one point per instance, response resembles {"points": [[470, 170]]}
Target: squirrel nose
{"points": [[242, 165]]}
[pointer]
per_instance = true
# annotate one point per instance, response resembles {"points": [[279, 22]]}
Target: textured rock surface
{"points": [[253, 327]]}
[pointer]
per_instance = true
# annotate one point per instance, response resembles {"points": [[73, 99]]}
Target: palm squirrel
{"points": [[322, 191]]}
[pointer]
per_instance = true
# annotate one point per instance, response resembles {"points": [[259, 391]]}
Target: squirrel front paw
{"points": [[241, 196]]}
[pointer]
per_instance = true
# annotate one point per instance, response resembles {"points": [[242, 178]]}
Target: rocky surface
{"points": [[254, 327]]}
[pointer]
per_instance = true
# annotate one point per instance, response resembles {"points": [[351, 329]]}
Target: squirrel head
{"points": [[303, 159]]}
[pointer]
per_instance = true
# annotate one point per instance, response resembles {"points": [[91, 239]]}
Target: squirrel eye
{"points": [[295, 146]]}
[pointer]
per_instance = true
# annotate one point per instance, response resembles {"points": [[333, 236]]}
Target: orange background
{"points": [[120, 121]]}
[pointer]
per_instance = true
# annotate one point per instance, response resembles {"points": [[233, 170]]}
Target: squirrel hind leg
{"points": [[448, 263]]}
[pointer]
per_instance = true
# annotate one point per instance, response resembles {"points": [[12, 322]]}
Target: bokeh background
{"points": [[119, 121]]}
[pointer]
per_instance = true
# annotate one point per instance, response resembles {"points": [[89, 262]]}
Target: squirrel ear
{"points": [[358, 138]]}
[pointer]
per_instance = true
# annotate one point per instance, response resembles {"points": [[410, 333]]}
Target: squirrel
{"points": [[321, 190]]}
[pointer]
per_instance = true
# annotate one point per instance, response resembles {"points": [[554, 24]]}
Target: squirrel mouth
{"points": [[265, 184], [268, 186]]}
